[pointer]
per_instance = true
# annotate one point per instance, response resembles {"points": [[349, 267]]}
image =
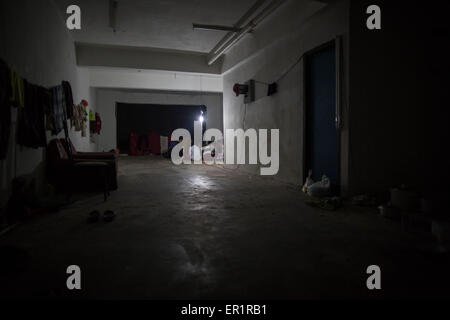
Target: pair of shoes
{"points": [[108, 216]]}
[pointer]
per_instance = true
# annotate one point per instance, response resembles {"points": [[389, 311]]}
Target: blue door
{"points": [[322, 153]]}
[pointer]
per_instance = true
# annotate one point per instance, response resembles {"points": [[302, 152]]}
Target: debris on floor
{"points": [[405, 198], [415, 222], [441, 231], [407, 206], [389, 212], [364, 200], [330, 204]]}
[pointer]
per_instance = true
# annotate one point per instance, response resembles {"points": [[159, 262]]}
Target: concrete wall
{"points": [[35, 42], [107, 99], [268, 53], [394, 90]]}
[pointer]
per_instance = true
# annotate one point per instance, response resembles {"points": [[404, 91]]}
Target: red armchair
{"points": [[112, 157], [73, 153], [65, 172]]}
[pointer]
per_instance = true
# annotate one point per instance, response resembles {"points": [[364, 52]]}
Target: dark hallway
{"points": [[212, 153]]}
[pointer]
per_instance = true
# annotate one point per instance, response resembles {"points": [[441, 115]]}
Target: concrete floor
{"points": [[199, 231]]}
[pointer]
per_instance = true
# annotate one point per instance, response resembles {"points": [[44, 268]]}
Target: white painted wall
{"points": [[268, 53], [154, 80], [107, 99], [35, 42]]}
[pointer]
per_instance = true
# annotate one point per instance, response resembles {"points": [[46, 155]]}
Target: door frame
{"points": [[337, 43]]}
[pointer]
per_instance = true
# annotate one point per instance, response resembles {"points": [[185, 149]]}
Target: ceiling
{"points": [[156, 23]]}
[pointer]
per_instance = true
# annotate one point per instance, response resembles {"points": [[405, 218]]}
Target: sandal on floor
{"points": [[108, 216], [94, 216]]}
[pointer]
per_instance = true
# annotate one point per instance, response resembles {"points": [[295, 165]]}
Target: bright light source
{"points": [[201, 119]]}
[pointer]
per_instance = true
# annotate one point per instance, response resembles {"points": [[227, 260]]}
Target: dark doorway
{"points": [[321, 141], [157, 118]]}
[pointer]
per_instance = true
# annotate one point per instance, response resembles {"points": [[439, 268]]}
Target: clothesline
{"points": [[40, 109]]}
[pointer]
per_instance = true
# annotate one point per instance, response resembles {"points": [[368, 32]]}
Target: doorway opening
{"points": [[154, 119], [321, 132]]}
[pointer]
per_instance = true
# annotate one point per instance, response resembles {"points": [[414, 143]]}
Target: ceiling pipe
{"points": [[208, 27], [238, 24], [230, 41], [112, 14]]}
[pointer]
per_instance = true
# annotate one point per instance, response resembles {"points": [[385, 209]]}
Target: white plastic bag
{"points": [[320, 188], [309, 181]]}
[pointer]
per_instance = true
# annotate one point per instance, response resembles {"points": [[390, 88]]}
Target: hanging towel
{"points": [[76, 119], [68, 98], [49, 111], [59, 108], [82, 117], [92, 122], [5, 108], [98, 126], [91, 115], [84, 120], [17, 90]]}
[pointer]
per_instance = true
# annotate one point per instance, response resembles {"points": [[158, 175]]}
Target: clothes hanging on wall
{"points": [[33, 102], [49, 118], [59, 108], [95, 122], [68, 98], [5, 108], [76, 120], [98, 127], [17, 90], [80, 118], [30, 123], [92, 122], [39, 109]]}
